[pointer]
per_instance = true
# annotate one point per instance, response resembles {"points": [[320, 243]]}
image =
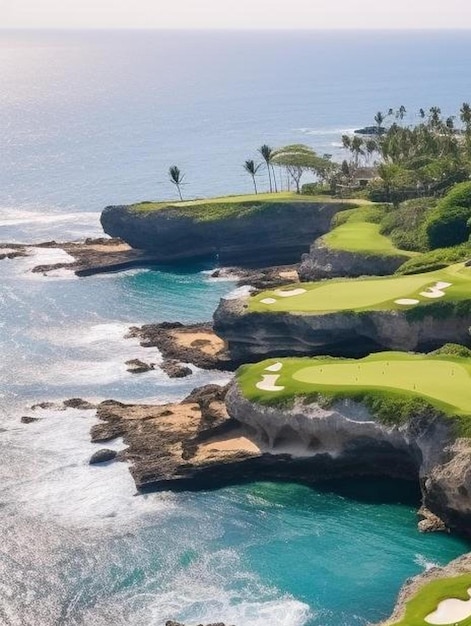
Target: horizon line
{"points": [[240, 29]]}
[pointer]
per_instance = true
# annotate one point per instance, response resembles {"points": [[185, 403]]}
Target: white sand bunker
{"points": [[406, 301], [436, 291], [268, 301], [450, 612], [274, 368], [268, 383], [288, 293]]}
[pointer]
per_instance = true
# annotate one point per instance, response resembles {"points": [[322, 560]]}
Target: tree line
{"points": [[419, 158]]}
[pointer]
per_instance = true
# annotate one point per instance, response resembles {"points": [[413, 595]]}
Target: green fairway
{"points": [[362, 237], [450, 284], [442, 380], [358, 230], [427, 600]]}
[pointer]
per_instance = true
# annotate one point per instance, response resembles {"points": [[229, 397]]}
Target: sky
{"points": [[237, 14]]}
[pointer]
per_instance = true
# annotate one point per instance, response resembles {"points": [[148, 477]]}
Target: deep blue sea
{"points": [[90, 119]]}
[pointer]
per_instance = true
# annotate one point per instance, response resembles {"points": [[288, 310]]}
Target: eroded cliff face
{"points": [[347, 439], [253, 336], [324, 262], [277, 234]]}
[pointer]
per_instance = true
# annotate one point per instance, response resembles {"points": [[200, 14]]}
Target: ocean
{"points": [[95, 118]]}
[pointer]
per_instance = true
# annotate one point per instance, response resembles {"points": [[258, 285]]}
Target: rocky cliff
{"points": [[273, 233], [324, 262], [251, 336], [347, 439]]}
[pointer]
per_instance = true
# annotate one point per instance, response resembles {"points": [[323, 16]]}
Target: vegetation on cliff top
{"points": [[213, 209], [394, 385], [427, 290]]}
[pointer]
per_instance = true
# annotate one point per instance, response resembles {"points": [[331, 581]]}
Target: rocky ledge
{"points": [[324, 262], [412, 586], [266, 233], [188, 343], [216, 437], [251, 336]]}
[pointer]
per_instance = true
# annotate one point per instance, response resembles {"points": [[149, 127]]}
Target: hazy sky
{"points": [[236, 13]]}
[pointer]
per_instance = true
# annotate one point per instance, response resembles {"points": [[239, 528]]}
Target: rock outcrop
{"points": [[276, 233], [324, 262], [459, 566], [346, 438], [251, 336], [217, 437]]}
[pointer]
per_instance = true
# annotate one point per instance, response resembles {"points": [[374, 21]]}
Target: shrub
{"points": [[404, 226], [448, 226], [436, 259], [459, 195]]}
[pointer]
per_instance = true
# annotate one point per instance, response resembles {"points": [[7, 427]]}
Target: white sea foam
{"points": [[36, 224], [200, 597], [65, 486], [45, 256], [423, 562], [239, 292]]}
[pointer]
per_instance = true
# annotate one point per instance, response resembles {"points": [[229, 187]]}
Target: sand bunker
{"points": [[450, 612], [268, 301], [407, 301], [274, 368], [268, 383], [288, 293], [436, 291]]}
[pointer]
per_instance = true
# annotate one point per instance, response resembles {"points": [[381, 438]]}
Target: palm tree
{"points": [[252, 168], [465, 116], [176, 178], [401, 112], [267, 154], [379, 119]]}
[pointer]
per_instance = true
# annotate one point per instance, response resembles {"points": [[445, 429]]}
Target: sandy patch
{"points": [[450, 612], [290, 275], [289, 293], [234, 444], [118, 247], [436, 291], [276, 367], [268, 383], [268, 301], [406, 301], [207, 342]]}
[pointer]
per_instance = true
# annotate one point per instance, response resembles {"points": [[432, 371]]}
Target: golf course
{"points": [[442, 380], [210, 209], [441, 602], [358, 231], [450, 284]]}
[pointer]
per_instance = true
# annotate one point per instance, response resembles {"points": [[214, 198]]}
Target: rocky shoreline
{"points": [[410, 588]]}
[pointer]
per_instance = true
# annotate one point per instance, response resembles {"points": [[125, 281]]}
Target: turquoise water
{"points": [[92, 119]]}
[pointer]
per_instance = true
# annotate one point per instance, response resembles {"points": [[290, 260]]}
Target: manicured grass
{"points": [[362, 237], [367, 293], [358, 230], [429, 597], [208, 209], [440, 380]]}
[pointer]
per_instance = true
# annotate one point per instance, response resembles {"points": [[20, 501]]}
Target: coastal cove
{"points": [[103, 544]]}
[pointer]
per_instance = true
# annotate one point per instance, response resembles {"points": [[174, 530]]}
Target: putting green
{"points": [[385, 293], [429, 597], [442, 380]]}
